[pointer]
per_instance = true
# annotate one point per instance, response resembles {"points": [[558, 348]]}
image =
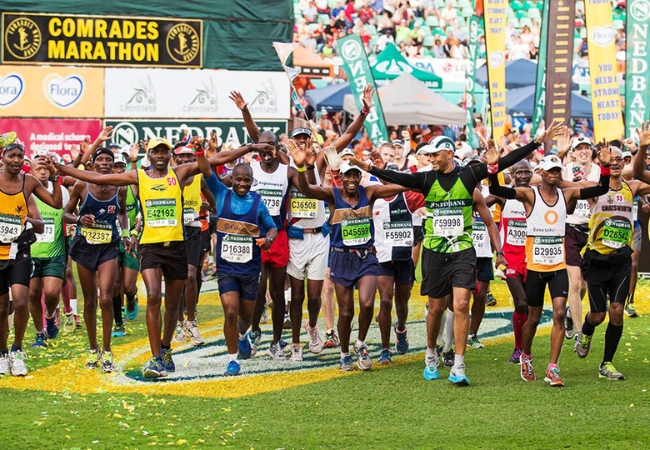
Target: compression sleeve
{"points": [[596, 191], [500, 191], [409, 180]]}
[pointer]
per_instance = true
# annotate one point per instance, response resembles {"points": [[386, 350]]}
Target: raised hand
{"points": [[630, 144], [299, 155], [644, 134], [360, 164], [553, 130], [84, 145], [143, 144], [492, 154], [134, 152], [367, 96], [564, 140], [377, 160], [74, 151], [238, 99], [604, 155], [105, 134]]}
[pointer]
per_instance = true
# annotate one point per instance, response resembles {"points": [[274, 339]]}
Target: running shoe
{"points": [[363, 362], [331, 340], [192, 331], [472, 341], [244, 348], [154, 368], [431, 367], [490, 300], [457, 375], [283, 344], [401, 340], [92, 360], [569, 332], [385, 357], [4, 364], [77, 322], [630, 310], [41, 341], [17, 362], [7, 138], [516, 356], [527, 371], [132, 308], [296, 353], [286, 325], [124, 318], [107, 362], [346, 364], [180, 332], [167, 361], [118, 330], [254, 337], [51, 327], [232, 369], [449, 358], [69, 320], [276, 352], [582, 344], [607, 370], [553, 377], [315, 342], [499, 273]]}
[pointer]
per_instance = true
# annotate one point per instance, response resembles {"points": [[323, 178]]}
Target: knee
{"points": [[106, 301], [521, 309], [436, 309], [596, 319], [297, 296], [558, 316], [346, 314], [230, 315], [153, 297], [386, 304], [461, 306], [191, 278]]}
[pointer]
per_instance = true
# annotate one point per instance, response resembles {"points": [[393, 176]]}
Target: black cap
{"points": [[300, 130], [102, 151]]}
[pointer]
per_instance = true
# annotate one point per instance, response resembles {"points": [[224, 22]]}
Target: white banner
{"points": [[188, 94], [449, 69]]}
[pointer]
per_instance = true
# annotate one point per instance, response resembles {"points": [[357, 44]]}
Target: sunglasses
{"points": [[14, 146]]}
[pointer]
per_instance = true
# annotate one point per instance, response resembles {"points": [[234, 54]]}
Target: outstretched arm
{"points": [[111, 179], [299, 156], [355, 126], [251, 126]]}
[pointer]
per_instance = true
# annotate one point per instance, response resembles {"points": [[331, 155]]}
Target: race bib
{"points": [[398, 234], [237, 249], [272, 198], [188, 216], [100, 233], [10, 228], [616, 233], [355, 231], [48, 235], [481, 240], [635, 211], [548, 250], [448, 222], [303, 207], [161, 213], [517, 232], [582, 208]]}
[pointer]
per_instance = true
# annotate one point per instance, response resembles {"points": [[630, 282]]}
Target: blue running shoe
{"points": [[244, 347], [346, 364], [282, 343], [431, 367], [118, 331], [167, 361], [457, 375], [41, 341], [51, 328], [384, 357], [132, 308], [154, 368], [254, 337], [232, 369], [401, 341]]}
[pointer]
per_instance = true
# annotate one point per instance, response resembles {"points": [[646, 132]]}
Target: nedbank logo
{"points": [[23, 38], [640, 10], [351, 50]]}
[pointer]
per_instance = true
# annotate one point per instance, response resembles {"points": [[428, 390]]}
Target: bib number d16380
{"points": [[237, 249]]}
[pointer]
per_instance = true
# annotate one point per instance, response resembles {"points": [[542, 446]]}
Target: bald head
{"points": [[242, 169]]}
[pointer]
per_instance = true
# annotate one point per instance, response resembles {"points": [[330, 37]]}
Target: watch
{"points": [[500, 253], [250, 147]]}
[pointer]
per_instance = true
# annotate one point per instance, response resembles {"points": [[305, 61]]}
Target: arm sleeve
{"points": [[500, 191], [409, 180], [596, 191], [480, 170], [265, 217]]}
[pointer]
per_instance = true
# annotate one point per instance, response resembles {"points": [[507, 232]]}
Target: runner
{"points": [[546, 212]]}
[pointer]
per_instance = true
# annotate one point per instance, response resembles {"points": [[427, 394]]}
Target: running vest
{"points": [[352, 226], [273, 189], [582, 212], [104, 231], [238, 252], [51, 243], [131, 207], [513, 232], [306, 212], [448, 225], [394, 235], [13, 212], [545, 234], [162, 208], [612, 221], [192, 203]]}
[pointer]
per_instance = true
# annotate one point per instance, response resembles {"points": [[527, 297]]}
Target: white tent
{"points": [[408, 101]]}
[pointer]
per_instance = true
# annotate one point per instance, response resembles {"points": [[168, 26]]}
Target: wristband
{"points": [[312, 167], [605, 170], [365, 111], [200, 153], [493, 168], [134, 232], [125, 234], [250, 147], [301, 169]]}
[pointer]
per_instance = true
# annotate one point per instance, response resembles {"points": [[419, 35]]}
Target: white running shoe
{"points": [[276, 352], [296, 353], [192, 331], [4, 364], [364, 362], [17, 362], [315, 342], [180, 332]]}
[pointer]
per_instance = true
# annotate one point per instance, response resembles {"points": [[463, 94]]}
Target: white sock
{"points": [[232, 356], [459, 359], [343, 355], [73, 305], [359, 343], [242, 337], [449, 331], [431, 352], [287, 296], [441, 333]]}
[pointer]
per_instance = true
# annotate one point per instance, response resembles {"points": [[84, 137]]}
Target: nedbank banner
{"points": [[605, 92], [355, 62], [540, 80], [132, 131], [101, 40], [496, 14], [471, 75], [637, 73]]}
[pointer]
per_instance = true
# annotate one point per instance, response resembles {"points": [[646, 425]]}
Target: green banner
{"points": [[355, 62], [474, 25], [637, 70], [540, 83]]}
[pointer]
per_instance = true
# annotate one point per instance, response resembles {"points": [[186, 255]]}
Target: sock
{"points": [[165, 347], [359, 343], [440, 341], [65, 295], [343, 355], [588, 328], [612, 337], [459, 359], [242, 336], [518, 321], [525, 356], [287, 296], [449, 331], [131, 297], [431, 352], [117, 309], [551, 366], [73, 306], [232, 356], [15, 348]]}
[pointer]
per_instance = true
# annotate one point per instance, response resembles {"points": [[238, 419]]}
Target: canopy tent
{"points": [[521, 103], [519, 73], [408, 101], [391, 64], [329, 97]]}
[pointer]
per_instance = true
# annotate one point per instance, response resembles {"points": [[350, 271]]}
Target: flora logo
{"points": [[63, 92], [11, 88], [496, 59], [602, 36]]}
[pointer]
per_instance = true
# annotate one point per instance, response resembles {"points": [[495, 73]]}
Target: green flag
{"points": [[355, 62], [540, 84], [471, 76], [637, 70]]}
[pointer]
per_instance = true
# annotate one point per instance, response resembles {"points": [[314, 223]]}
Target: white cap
{"points": [[438, 144], [550, 162], [119, 159], [627, 154], [580, 140], [346, 167], [346, 152], [464, 151]]}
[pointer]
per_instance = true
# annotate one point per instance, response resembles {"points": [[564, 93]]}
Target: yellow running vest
{"points": [[611, 225], [192, 201], [162, 208], [13, 211]]}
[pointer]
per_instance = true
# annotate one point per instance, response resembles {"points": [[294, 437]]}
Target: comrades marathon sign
{"points": [[104, 41]]}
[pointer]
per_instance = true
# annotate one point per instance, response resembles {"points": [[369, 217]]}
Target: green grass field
{"points": [[389, 407]]}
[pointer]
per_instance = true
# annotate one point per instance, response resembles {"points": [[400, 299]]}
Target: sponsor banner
{"points": [[637, 78], [161, 94], [355, 62], [53, 135], [471, 75], [605, 91], [39, 91], [540, 81], [449, 69], [496, 15], [559, 59], [129, 132], [101, 40]]}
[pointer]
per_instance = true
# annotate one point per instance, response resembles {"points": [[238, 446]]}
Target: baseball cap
{"points": [[471, 159], [392, 166], [346, 152], [627, 154], [300, 130], [119, 159], [183, 150], [440, 143], [580, 140], [550, 162], [346, 167], [103, 151], [398, 142], [155, 142], [113, 145]]}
